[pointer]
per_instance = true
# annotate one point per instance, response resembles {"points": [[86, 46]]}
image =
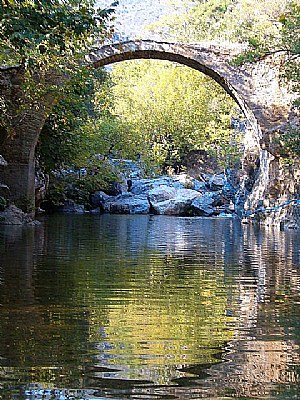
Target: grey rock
{"points": [[127, 204], [34, 223], [96, 211], [71, 207], [12, 215], [98, 198], [3, 162], [145, 185], [117, 188], [217, 181], [203, 205], [179, 205], [199, 186], [161, 193]]}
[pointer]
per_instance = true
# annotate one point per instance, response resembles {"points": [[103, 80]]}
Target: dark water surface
{"points": [[142, 307]]}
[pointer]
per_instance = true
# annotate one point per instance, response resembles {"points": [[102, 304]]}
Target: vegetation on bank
{"points": [[272, 26], [156, 111]]}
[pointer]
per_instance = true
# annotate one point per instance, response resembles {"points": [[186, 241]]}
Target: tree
{"points": [[48, 44], [287, 42], [269, 27], [171, 110], [43, 34], [41, 54], [229, 20]]}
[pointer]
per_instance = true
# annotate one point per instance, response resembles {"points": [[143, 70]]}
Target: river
{"points": [[148, 307]]}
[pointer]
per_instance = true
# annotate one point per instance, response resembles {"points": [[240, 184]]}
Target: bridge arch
{"points": [[206, 58], [256, 87]]}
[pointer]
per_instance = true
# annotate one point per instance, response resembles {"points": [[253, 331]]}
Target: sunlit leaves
{"points": [[37, 32], [230, 20], [172, 110]]}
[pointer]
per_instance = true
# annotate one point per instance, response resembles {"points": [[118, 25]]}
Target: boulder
{"points": [[216, 182], [179, 205], [98, 199], [127, 204], [12, 215], [199, 185], [143, 186], [71, 207], [203, 205], [117, 188], [161, 193]]}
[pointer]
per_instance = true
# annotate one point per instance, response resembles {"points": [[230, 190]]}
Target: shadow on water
{"points": [[143, 307]]}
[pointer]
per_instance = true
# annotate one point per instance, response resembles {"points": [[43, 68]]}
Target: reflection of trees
{"points": [[164, 321], [155, 298]]}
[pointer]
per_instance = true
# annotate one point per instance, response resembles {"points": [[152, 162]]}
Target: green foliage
{"points": [[268, 27], [77, 185], [47, 33], [80, 134], [291, 142], [64, 141], [169, 110], [287, 41], [48, 40], [229, 20]]}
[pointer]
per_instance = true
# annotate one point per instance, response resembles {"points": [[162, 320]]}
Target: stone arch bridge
{"points": [[256, 88]]}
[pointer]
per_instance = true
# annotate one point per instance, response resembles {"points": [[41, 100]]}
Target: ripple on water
{"points": [[103, 307]]}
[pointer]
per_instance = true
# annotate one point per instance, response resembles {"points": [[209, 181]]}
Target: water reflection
{"points": [[145, 307]]}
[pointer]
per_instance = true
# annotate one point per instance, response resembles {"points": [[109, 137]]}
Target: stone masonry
{"points": [[257, 89]]}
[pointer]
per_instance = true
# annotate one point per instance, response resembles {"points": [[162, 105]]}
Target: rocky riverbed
{"points": [[179, 195]]}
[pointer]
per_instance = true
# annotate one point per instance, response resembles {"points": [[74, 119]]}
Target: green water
{"points": [[148, 307]]}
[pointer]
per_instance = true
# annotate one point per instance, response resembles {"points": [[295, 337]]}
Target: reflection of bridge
{"points": [[255, 87]]}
